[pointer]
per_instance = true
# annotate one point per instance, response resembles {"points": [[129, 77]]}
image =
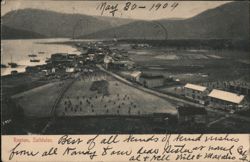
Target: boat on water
{"points": [[3, 66], [48, 60], [34, 60], [14, 72], [32, 55], [12, 64]]}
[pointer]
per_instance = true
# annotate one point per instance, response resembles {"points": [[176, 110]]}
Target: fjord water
{"points": [[17, 51]]}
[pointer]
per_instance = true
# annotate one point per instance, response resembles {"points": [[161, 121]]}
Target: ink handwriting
{"points": [[113, 8], [144, 148], [16, 151]]}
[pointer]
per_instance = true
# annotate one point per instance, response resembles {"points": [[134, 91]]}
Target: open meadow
{"points": [[109, 97], [38, 102]]}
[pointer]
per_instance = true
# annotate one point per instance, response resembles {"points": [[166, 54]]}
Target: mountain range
{"points": [[228, 21], [57, 25], [10, 33]]}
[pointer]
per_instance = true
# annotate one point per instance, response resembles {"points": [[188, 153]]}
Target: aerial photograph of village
{"points": [[144, 67]]}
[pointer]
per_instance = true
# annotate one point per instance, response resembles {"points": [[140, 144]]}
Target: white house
{"points": [[196, 92], [135, 75], [70, 69], [224, 99]]}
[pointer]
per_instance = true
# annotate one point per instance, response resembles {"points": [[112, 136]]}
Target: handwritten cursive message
{"points": [[167, 147], [114, 8]]}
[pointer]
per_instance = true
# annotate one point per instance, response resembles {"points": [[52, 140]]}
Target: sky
{"points": [[184, 9]]}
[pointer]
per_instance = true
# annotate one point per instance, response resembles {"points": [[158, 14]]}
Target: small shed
{"points": [[135, 76]]}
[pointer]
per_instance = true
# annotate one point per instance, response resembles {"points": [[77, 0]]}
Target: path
{"points": [[58, 99]]}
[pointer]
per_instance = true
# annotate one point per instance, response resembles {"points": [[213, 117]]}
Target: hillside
{"points": [[10, 33], [54, 24], [229, 21]]}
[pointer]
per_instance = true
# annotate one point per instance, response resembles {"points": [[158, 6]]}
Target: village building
{"points": [[53, 70], [59, 57], [56, 70], [135, 76], [239, 87], [196, 92], [32, 69], [152, 81], [41, 69], [107, 60], [225, 100], [118, 65], [70, 69], [91, 57], [72, 56], [45, 71], [62, 59], [128, 64]]}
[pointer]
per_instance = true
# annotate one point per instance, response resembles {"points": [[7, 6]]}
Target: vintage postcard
{"points": [[93, 80]]}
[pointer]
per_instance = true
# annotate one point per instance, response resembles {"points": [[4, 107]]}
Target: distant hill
{"points": [[10, 33], [229, 21], [54, 24]]}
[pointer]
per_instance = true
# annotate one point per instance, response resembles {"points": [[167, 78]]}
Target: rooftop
{"points": [[195, 87], [240, 84], [135, 73], [226, 96], [152, 76]]}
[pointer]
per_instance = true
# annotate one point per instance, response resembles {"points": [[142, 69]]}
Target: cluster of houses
{"points": [[117, 59], [232, 86], [59, 63], [64, 63], [215, 97]]}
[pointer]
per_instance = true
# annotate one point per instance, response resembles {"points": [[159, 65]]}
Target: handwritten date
{"points": [[111, 8]]}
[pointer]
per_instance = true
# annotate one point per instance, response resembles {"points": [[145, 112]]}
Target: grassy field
{"points": [[38, 102], [193, 65], [122, 99], [13, 84]]}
